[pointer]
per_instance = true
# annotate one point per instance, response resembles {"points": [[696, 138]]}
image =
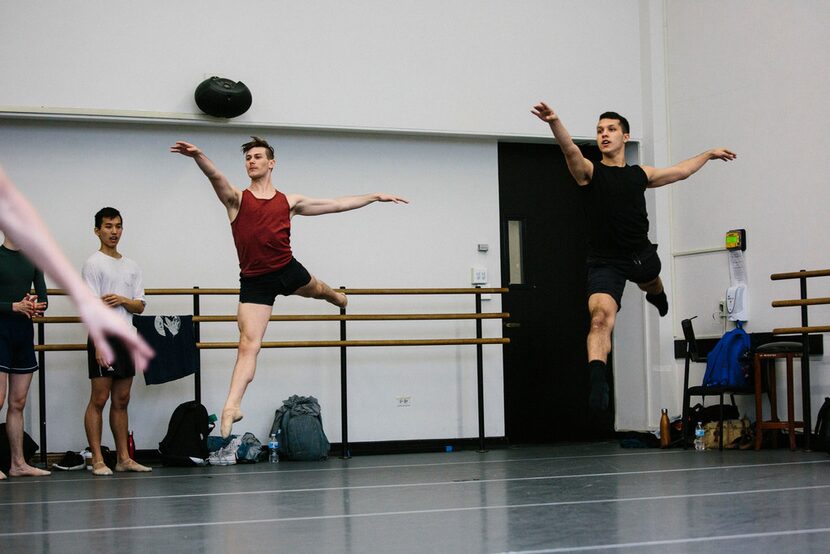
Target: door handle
{"points": [[512, 325]]}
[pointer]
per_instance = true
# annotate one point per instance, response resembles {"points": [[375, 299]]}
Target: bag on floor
{"points": [[185, 443], [735, 433], [823, 427], [29, 448], [301, 430], [727, 364]]}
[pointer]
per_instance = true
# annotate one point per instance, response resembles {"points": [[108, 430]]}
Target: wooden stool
{"points": [[773, 351]]}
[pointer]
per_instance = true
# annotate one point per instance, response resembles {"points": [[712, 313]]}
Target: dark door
{"points": [[543, 264]]}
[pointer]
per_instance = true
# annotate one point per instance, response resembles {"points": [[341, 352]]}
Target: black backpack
{"points": [[186, 441], [823, 427], [301, 430]]}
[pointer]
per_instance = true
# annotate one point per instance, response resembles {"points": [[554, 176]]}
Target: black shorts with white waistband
{"points": [[263, 289]]}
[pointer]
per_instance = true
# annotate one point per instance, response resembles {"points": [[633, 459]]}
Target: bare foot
{"points": [[100, 468], [341, 301], [2, 476], [28, 471], [229, 417], [131, 465]]}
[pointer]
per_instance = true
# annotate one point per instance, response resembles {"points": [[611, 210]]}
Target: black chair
{"points": [[692, 355]]}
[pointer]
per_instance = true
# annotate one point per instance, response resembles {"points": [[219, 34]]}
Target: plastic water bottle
{"points": [[274, 447], [699, 432]]}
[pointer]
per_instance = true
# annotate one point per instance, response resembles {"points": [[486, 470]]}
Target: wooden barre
{"points": [[220, 291], [800, 302], [800, 274], [305, 344], [347, 317], [795, 330]]}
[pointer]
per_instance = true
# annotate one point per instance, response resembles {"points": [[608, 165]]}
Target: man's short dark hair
{"points": [[614, 115], [257, 141], [110, 213]]}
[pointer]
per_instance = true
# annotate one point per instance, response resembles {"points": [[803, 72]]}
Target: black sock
{"points": [[598, 398], [661, 301]]}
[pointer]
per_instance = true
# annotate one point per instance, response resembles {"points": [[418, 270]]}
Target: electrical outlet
{"points": [[404, 401], [478, 276]]}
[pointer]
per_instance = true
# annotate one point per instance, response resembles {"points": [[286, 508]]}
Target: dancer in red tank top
{"points": [[260, 219]]}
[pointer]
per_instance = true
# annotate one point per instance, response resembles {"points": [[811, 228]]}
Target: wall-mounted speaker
{"points": [[221, 97]]}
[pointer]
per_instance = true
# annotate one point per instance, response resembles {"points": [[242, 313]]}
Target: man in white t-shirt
{"points": [[117, 281]]}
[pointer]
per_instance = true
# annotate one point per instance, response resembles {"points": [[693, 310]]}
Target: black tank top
{"points": [[615, 204]]}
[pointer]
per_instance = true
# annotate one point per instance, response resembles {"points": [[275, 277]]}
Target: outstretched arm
{"points": [[580, 167], [678, 172], [303, 205], [24, 226], [229, 195]]}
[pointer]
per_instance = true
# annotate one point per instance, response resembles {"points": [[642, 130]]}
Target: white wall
{"points": [[752, 76], [468, 66]]}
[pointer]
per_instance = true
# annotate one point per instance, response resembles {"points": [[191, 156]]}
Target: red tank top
{"points": [[262, 234]]}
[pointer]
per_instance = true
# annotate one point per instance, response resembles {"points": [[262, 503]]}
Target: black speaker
{"points": [[221, 97]]}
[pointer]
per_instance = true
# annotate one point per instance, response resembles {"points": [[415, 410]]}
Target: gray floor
{"points": [[535, 499]]}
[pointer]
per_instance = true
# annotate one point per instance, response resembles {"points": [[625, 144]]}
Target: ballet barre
{"points": [[343, 344], [804, 329]]}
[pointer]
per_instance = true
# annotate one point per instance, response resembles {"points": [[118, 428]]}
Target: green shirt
{"points": [[17, 274]]}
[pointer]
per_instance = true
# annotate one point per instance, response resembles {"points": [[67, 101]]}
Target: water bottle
{"points": [[273, 447], [131, 446], [699, 432]]}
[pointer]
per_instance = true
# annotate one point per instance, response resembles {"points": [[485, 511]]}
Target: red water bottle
{"points": [[131, 446]]}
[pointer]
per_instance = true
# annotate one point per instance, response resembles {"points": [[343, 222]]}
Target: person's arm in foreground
{"points": [[28, 231]]}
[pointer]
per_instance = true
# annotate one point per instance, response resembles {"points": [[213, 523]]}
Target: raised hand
{"points": [[392, 198], [544, 112], [722, 154], [185, 149]]}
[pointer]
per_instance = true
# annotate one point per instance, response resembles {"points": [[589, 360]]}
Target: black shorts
{"points": [[122, 368], [17, 345], [263, 289], [608, 275]]}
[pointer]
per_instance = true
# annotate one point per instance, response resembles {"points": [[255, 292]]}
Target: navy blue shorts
{"points": [[263, 289], [122, 368], [608, 275], [17, 345]]}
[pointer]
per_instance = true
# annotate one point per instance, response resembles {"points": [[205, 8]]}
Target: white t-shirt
{"points": [[107, 275]]}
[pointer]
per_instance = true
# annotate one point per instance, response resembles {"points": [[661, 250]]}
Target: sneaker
{"points": [[71, 461], [225, 456]]}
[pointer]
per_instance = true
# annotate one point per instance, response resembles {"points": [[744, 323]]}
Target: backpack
{"points": [[185, 443], [301, 430], [823, 427], [726, 364]]}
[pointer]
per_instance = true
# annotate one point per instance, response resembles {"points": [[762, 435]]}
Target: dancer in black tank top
{"points": [[618, 245]]}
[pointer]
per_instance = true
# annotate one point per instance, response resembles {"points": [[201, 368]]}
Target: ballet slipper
{"points": [[100, 468], [131, 465], [229, 417], [28, 471]]}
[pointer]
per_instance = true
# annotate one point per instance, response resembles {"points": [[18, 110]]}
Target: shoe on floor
{"points": [[132, 465], [71, 461]]}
